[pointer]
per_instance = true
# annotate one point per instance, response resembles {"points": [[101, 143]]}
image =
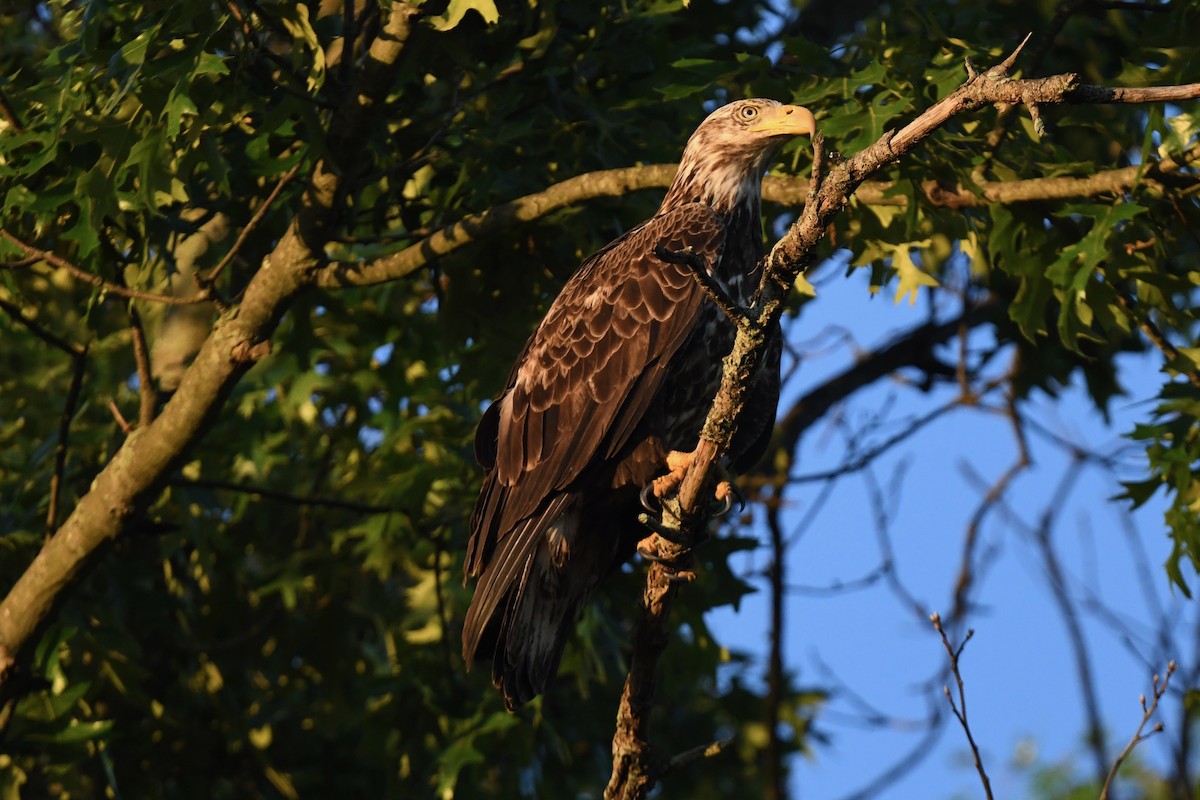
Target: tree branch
{"points": [[95, 280], [207, 282], [70, 405], [960, 708], [141, 355], [788, 191], [1160, 689]]}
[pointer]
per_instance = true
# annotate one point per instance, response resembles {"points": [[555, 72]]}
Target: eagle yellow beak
{"points": [[787, 121]]}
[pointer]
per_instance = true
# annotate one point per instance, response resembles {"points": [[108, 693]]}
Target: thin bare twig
{"points": [[207, 282], [1157, 338], [1160, 688], [700, 271], [284, 497], [119, 418], [40, 331], [960, 708], [141, 355], [70, 405], [95, 280], [776, 574], [1042, 535], [696, 753]]}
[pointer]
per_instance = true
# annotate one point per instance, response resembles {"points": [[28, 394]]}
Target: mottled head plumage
{"points": [[724, 160]]}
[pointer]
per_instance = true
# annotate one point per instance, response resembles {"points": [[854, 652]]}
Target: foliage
{"points": [[282, 619]]}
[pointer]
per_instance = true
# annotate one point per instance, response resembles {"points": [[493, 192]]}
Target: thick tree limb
{"points": [[833, 183]]}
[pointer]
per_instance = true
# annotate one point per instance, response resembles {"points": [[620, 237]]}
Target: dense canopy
{"points": [[264, 263]]}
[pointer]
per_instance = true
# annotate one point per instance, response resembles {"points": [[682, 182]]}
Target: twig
{"points": [[1160, 688], [696, 753], [1155, 335], [960, 708], [141, 355], [64, 434], [207, 282], [119, 418], [776, 771], [286, 497], [700, 271], [1059, 591], [34, 327], [966, 570], [95, 280]]}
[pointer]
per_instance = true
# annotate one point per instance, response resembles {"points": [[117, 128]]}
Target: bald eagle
{"points": [[620, 372]]}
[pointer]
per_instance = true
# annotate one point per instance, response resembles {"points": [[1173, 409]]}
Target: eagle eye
{"points": [[749, 112]]}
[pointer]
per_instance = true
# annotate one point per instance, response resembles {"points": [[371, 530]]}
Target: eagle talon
{"points": [[722, 506], [646, 550], [644, 497], [726, 494]]}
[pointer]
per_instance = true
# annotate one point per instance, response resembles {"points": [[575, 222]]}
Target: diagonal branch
{"points": [[91, 279], [207, 281], [141, 355]]}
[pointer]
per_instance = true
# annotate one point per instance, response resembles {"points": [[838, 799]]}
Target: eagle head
{"points": [[726, 157]]}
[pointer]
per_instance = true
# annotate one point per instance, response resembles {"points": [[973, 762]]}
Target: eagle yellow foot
{"points": [[676, 565], [678, 463]]}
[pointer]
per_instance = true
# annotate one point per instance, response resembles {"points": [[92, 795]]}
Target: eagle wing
{"points": [[579, 390]]}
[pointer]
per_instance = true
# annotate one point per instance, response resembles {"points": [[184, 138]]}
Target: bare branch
{"points": [[70, 405], [284, 497], [1160, 688], [1174, 358], [960, 708], [38, 330], [141, 355], [700, 271], [697, 753], [95, 280], [207, 282]]}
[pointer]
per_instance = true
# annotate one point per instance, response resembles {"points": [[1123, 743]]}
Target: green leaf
{"points": [[912, 277], [458, 9]]}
